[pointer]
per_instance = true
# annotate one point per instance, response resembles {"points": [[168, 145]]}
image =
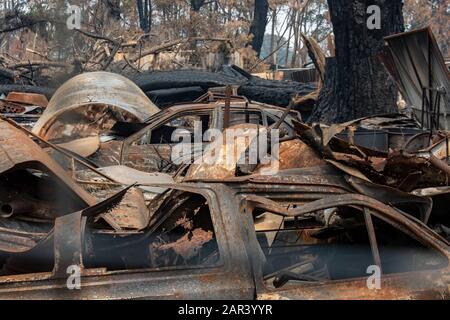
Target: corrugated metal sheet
{"points": [[415, 62]]}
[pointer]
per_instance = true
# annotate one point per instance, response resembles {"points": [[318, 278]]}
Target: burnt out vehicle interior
{"points": [[439, 219], [301, 238], [86, 121], [31, 199], [150, 149], [179, 234], [337, 238], [34, 190]]}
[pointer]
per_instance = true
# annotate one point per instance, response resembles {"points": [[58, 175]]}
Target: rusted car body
{"points": [[32, 187], [19, 152], [352, 211], [230, 253], [150, 147], [310, 192]]}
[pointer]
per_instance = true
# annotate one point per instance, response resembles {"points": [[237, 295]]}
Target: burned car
{"points": [[148, 146], [297, 235], [315, 230]]}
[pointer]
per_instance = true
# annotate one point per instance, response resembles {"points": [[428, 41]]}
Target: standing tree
{"points": [[196, 5], [356, 83], [114, 8], [145, 14], [259, 23]]}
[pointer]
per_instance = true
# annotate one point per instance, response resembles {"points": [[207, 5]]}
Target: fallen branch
{"points": [[173, 43], [38, 54], [131, 65], [97, 36], [111, 57], [316, 54], [27, 24], [41, 64], [158, 48], [8, 73], [300, 100]]}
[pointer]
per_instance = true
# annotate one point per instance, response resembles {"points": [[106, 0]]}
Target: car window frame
{"points": [[161, 121], [402, 221], [224, 263]]}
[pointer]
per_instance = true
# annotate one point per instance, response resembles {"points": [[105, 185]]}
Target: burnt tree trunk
{"points": [[113, 7], [356, 83], [259, 23], [196, 5], [194, 17], [145, 14]]}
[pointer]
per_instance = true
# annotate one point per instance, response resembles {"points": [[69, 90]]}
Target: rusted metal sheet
{"points": [[220, 158], [130, 214], [412, 161], [295, 154], [419, 206], [392, 288], [156, 156], [68, 243], [127, 176], [84, 147], [97, 92], [188, 245], [18, 110], [430, 284], [32, 99], [125, 244], [17, 236], [291, 154], [17, 150], [24, 108], [236, 231]]}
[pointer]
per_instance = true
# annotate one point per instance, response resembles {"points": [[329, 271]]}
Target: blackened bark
{"points": [[356, 83], [140, 8], [114, 8], [196, 5], [145, 14], [259, 23]]}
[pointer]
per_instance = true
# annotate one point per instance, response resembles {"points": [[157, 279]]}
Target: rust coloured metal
{"points": [[64, 152], [32, 99], [88, 96], [17, 150], [295, 154], [234, 230], [130, 214], [148, 240], [189, 244]]}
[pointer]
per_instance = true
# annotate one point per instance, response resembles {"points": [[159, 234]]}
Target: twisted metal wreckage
{"points": [[93, 185]]}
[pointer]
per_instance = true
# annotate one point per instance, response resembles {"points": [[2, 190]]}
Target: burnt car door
{"points": [[152, 149], [193, 248], [345, 247]]}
